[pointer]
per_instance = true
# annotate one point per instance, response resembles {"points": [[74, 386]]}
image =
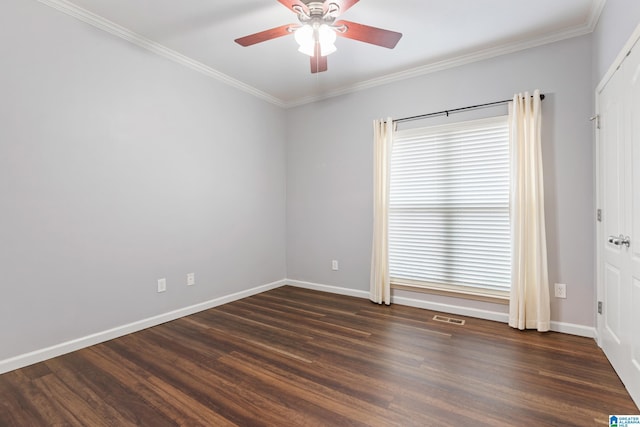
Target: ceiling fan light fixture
{"points": [[304, 38], [307, 49], [327, 49], [308, 35], [327, 38], [304, 35], [318, 29]]}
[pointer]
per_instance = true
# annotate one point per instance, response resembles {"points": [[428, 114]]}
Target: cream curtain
{"points": [[380, 287], [529, 306]]}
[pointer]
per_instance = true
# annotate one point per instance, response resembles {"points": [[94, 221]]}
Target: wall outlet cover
{"points": [[162, 285], [560, 290]]}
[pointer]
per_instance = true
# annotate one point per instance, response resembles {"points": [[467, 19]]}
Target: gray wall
{"points": [[118, 167], [329, 167]]}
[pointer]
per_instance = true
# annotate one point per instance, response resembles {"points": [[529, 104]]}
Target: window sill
{"points": [[486, 295]]}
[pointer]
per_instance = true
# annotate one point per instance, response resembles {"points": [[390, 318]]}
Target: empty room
{"points": [[319, 213]]}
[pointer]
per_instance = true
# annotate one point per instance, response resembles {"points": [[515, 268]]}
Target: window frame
{"points": [[448, 289]]}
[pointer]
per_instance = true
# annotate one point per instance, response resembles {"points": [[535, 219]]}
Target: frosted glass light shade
{"points": [[307, 49], [306, 37], [326, 36]]}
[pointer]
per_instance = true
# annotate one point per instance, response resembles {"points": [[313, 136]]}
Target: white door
{"points": [[632, 379], [619, 230]]}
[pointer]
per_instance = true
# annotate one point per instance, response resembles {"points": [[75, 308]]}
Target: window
{"points": [[449, 208]]}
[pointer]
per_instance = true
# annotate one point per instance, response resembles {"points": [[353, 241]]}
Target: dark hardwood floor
{"points": [[295, 357]]}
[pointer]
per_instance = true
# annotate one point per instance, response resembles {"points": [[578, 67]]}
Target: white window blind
{"points": [[449, 206]]}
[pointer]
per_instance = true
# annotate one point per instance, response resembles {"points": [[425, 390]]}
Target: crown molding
{"points": [[597, 6], [464, 59], [139, 40], [97, 21]]}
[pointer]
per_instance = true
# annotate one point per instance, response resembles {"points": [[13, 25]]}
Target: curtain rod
{"points": [[455, 110]]}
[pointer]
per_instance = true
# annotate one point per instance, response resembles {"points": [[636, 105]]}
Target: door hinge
{"points": [[599, 215], [599, 307], [597, 119]]}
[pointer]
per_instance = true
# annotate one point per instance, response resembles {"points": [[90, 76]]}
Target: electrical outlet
{"points": [[334, 265], [560, 290], [191, 279], [162, 285]]}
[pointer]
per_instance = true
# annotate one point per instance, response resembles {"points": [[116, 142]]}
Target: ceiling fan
{"points": [[318, 28]]}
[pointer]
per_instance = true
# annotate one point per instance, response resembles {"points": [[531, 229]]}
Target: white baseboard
{"points": [[566, 328], [327, 288], [573, 329], [67, 347], [496, 316], [411, 302], [27, 359]]}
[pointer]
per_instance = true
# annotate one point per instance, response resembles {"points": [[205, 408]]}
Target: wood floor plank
{"points": [[298, 357], [267, 340], [333, 411], [210, 385], [18, 406], [132, 409], [172, 402], [84, 388], [74, 410], [48, 408]]}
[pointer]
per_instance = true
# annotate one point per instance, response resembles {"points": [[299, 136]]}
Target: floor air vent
{"points": [[451, 320]]}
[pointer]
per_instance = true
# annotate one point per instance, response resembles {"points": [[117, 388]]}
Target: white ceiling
{"points": [[436, 34]]}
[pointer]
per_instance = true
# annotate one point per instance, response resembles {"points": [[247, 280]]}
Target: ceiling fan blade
{"points": [[367, 34], [263, 36], [318, 62], [290, 3]]}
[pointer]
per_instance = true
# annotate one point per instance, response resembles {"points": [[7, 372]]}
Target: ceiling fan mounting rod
{"points": [[316, 9], [316, 12]]}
